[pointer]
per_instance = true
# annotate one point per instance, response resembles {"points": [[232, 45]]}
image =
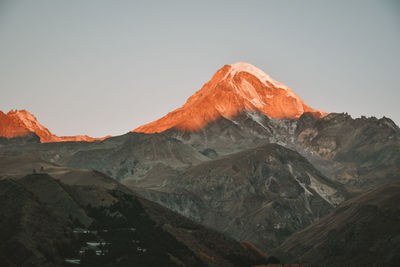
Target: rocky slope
{"points": [[363, 231], [246, 130], [169, 168], [48, 221], [233, 89], [128, 156], [21, 140], [262, 195], [362, 152], [359, 153], [21, 123]]}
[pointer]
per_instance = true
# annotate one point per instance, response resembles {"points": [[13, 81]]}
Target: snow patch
{"points": [[290, 168], [258, 119], [303, 185], [325, 191], [229, 119], [291, 93], [262, 76], [248, 92]]}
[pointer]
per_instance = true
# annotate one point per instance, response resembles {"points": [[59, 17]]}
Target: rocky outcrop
{"points": [[362, 152], [359, 153]]}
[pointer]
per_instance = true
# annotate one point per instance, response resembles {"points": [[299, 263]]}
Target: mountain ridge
{"points": [[21, 123]]}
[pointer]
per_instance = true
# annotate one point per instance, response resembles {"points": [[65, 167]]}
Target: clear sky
{"points": [[107, 67]]}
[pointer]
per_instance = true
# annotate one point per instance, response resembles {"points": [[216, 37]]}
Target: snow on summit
{"points": [[233, 89], [262, 76]]}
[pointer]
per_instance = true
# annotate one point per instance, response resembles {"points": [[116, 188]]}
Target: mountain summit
{"points": [[234, 88], [19, 123]]}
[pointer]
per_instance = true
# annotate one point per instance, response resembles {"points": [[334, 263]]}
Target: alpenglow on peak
{"points": [[262, 76], [20, 123], [233, 89]]}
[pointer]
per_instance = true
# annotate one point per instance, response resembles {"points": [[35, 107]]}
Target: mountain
{"points": [[241, 107], [363, 231], [234, 88], [21, 123], [263, 194], [360, 153], [257, 173], [59, 216]]}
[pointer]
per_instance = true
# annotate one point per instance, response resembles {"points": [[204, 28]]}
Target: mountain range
{"points": [[244, 156]]}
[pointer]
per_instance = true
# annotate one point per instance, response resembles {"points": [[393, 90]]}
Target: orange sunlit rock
{"points": [[18, 123], [233, 89]]}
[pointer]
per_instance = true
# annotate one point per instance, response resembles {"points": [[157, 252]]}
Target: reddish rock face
{"points": [[17, 123], [233, 89]]}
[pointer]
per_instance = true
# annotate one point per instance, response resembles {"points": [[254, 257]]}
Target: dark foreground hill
{"points": [[363, 231], [50, 222]]}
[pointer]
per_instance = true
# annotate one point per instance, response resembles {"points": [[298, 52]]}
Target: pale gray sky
{"points": [[107, 67]]}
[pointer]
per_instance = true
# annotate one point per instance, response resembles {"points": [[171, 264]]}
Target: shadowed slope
{"points": [[262, 195], [363, 231]]}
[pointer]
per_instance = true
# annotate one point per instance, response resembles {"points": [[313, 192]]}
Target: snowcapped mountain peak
{"points": [[253, 70], [233, 89]]}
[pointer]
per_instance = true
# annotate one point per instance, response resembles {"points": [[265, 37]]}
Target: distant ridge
{"points": [[18, 123]]}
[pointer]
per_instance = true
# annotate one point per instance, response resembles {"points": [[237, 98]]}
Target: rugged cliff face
{"points": [[262, 195], [366, 151], [363, 231]]}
